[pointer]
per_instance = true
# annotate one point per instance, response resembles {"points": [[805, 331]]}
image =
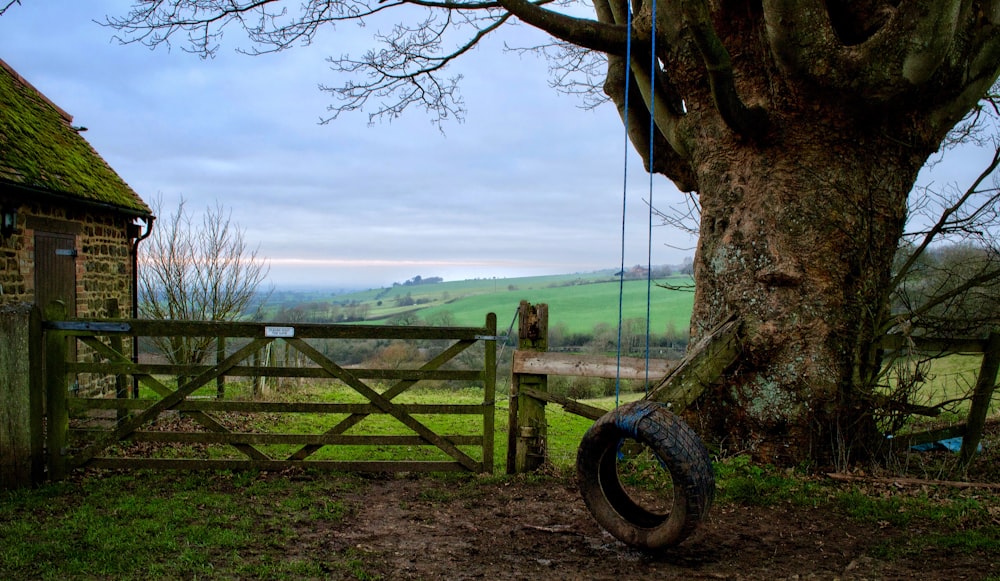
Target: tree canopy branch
{"points": [[747, 121], [584, 32], [906, 50]]}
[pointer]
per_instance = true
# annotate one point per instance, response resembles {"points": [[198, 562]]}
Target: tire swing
{"points": [[612, 442], [639, 439]]}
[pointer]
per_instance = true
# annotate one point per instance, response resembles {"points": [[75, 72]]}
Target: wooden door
{"points": [[55, 270]]}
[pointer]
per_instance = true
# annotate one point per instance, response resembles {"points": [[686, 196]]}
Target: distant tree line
{"points": [[418, 280]]}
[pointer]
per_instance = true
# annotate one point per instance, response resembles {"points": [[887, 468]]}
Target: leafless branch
{"points": [[405, 69], [957, 216], [684, 216], [9, 4], [574, 69]]}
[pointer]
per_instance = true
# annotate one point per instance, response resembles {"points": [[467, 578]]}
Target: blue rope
{"points": [[621, 272], [649, 244]]}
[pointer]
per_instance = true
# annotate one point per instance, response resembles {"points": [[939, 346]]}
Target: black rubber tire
{"points": [[678, 449]]}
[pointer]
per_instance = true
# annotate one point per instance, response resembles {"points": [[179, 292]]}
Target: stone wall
{"points": [[13, 288], [103, 265], [103, 262], [104, 271]]}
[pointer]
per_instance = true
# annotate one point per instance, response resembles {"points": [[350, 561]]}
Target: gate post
{"points": [[57, 414], [21, 462], [489, 392], [527, 434]]}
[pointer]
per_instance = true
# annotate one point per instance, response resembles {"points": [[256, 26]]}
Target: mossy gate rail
{"points": [[72, 447]]}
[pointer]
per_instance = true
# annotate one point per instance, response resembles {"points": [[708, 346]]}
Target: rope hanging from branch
{"points": [[649, 239]]}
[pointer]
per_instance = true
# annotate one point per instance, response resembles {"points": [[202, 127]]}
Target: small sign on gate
{"points": [[280, 332]]}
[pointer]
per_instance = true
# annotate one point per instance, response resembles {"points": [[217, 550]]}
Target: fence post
{"points": [[981, 396], [527, 428], [21, 447], [57, 414], [489, 392]]}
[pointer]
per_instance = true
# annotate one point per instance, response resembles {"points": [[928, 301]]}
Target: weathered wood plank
{"points": [[570, 405], [703, 365], [489, 392], [276, 465], [254, 438], [528, 429], [128, 368], [905, 441], [982, 395], [56, 385], [242, 406], [152, 328], [20, 407], [912, 481], [898, 342], [548, 363]]}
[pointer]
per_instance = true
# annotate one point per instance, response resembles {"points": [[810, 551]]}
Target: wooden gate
{"points": [[132, 421]]}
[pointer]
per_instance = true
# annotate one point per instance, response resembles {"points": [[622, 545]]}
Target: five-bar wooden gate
{"points": [[130, 419]]}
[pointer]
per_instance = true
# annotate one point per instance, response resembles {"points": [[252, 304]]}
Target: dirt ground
{"points": [[426, 528]]}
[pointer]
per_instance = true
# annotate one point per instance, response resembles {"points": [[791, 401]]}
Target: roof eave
{"points": [[69, 199]]}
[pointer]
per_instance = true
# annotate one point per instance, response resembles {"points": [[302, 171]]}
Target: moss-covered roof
{"points": [[40, 149]]}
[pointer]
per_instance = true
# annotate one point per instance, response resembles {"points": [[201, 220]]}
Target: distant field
{"points": [[578, 301], [579, 308]]}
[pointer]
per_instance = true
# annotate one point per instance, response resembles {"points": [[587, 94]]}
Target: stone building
{"points": [[69, 225]]}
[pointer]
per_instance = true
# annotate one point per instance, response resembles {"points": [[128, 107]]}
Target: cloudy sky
{"points": [[530, 183]]}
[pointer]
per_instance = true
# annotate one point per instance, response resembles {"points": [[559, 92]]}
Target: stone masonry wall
{"points": [[103, 262], [103, 267]]}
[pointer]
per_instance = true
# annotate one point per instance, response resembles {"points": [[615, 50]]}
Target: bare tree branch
{"points": [[575, 70], [9, 4], [951, 219]]}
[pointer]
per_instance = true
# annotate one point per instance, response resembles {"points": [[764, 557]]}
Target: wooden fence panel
{"points": [[134, 418]]}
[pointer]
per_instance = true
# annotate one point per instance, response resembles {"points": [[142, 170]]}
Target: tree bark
{"points": [[799, 244], [802, 212]]}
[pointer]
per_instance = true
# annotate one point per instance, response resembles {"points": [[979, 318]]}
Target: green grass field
{"points": [[949, 379], [578, 308], [578, 302]]}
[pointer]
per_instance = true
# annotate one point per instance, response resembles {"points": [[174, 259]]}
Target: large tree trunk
{"points": [[799, 243], [801, 127]]}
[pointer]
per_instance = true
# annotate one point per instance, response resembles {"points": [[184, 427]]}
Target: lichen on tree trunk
{"points": [[799, 244]]}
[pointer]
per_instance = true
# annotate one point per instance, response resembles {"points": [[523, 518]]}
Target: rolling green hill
{"points": [[577, 302], [580, 307]]}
